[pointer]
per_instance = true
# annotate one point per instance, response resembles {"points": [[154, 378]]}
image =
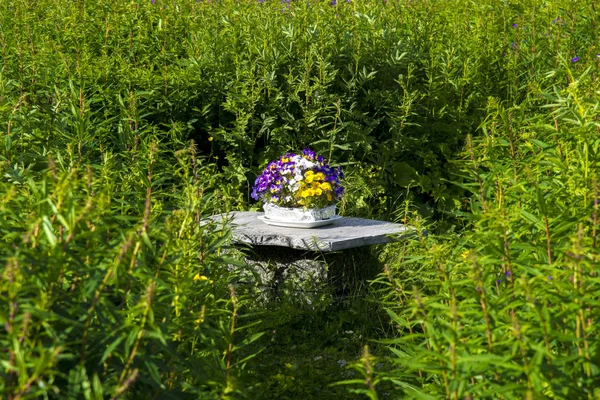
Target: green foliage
{"points": [[509, 307], [101, 292], [388, 90], [124, 124]]}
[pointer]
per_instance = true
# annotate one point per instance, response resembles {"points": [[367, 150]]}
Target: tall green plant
{"points": [[111, 285], [508, 308]]}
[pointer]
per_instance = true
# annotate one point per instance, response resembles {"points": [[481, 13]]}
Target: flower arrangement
{"points": [[303, 180]]}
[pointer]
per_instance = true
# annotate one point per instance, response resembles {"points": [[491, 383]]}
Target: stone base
{"points": [[308, 277], [306, 265]]}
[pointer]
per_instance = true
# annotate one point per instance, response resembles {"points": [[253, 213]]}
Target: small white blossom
{"points": [[306, 164]]}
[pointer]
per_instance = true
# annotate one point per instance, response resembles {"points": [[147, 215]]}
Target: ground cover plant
{"points": [[125, 124]]}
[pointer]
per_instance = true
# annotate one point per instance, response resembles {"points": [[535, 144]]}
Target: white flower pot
{"points": [[300, 214]]}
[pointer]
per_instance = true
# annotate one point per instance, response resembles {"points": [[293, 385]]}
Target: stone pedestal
{"points": [[307, 264]]}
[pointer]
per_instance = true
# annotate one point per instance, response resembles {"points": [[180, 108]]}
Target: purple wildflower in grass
{"points": [[153, 1], [555, 20], [507, 274], [513, 45], [261, 1], [574, 59], [550, 277], [514, 25], [333, 2], [598, 55]]}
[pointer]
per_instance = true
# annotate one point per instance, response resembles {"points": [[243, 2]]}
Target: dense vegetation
{"points": [[127, 123]]}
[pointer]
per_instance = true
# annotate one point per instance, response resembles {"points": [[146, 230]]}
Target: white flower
{"points": [[305, 164]]}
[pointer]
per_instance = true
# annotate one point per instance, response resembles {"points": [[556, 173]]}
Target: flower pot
{"points": [[300, 214]]}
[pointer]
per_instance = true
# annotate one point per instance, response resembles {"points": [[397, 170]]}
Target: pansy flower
{"points": [[299, 180]]}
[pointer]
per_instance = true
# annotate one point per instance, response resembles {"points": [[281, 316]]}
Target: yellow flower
{"points": [[319, 176], [325, 186], [199, 277], [210, 138], [309, 176]]}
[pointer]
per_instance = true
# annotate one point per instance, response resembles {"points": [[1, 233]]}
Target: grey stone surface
{"points": [[342, 234]]}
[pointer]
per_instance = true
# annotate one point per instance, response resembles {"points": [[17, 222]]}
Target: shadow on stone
{"points": [[307, 277]]}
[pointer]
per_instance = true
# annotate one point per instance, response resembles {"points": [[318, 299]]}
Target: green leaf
{"points": [[404, 174], [47, 226]]}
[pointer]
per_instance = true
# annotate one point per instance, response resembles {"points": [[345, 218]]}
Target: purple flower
{"points": [[514, 25], [308, 153], [550, 277], [598, 55], [574, 59], [333, 2], [513, 45], [153, 1]]}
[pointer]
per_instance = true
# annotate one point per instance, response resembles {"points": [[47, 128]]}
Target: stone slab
{"points": [[344, 233]]}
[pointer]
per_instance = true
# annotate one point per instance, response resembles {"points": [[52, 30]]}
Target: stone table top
{"points": [[343, 233]]}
